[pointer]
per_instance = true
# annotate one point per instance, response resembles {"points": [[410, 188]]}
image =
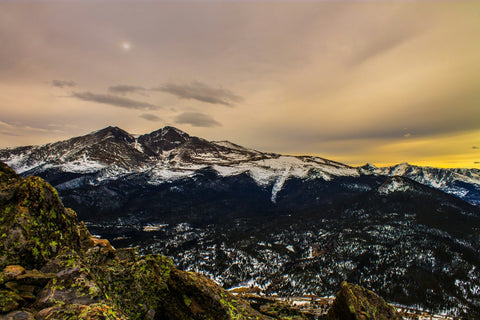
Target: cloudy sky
{"points": [[355, 81]]}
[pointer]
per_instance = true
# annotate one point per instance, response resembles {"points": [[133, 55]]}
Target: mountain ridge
{"points": [[169, 153]]}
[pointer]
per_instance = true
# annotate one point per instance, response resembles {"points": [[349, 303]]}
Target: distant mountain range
{"points": [[170, 154], [288, 224]]}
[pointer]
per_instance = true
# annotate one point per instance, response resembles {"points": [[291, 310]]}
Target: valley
{"points": [[287, 225]]}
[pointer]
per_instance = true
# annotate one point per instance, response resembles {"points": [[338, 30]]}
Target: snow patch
{"points": [[279, 184], [394, 185]]}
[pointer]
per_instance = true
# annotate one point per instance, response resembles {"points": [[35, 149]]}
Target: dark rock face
{"points": [[164, 139], [353, 302], [82, 277]]}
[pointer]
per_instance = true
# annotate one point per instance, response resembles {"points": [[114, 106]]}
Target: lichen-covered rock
{"points": [[274, 308], [18, 315], [9, 301], [12, 271], [282, 310], [150, 287], [34, 277], [353, 302], [99, 311], [193, 296], [33, 221]]}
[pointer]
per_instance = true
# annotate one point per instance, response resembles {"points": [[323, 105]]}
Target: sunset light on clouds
{"points": [[354, 81]]}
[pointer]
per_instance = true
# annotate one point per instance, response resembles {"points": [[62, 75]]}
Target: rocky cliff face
{"points": [[54, 269]]}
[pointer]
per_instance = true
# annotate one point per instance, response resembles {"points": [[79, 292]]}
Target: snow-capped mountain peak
{"points": [[169, 154]]}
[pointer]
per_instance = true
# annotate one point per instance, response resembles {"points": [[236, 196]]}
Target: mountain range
{"points": [[287, 224], [170, 154]]}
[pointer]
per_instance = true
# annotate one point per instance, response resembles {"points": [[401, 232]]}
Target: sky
{"points": [[382, 82]]}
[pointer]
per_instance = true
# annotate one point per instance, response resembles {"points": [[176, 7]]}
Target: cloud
{"points": [[197, 119], [5, 124], [114, 101], [7, 133], [382, 41], [12, 127], [150, 117], [475, 147], [63, 83], [124, 89], [201, 92]]}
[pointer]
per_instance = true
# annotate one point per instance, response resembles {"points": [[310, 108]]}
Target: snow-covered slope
{"points": [[165, 155], [395, 184], [462, 183], [169, 154]]}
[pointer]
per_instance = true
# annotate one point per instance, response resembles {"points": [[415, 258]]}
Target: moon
{"points": [[126, 46]]}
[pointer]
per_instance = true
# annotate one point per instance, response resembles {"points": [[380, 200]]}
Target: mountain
{"points": [[170, 154], [53, 268], [462, 183], [288, 224]]}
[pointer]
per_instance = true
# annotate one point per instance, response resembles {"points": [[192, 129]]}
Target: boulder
{"points": [[353, 302]]}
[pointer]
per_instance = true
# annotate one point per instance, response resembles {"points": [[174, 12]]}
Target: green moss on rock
{"points": [[97, 311], [353, 302], [9, 301], [34, 223]]}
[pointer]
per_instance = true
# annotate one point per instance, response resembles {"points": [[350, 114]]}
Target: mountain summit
{"points": [[170, 154]]}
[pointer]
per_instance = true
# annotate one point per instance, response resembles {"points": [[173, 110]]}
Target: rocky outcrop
{"points": [[54, 269], [353, 302], [34, 225]]}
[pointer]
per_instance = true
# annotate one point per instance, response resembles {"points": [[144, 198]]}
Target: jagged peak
{"points": [[402, 165], [165, 132], [164, 139], [369, 166], [170, 128], [112, 129]]}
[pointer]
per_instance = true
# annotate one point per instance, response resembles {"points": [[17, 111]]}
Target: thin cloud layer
{"points": [[150, 117], [115, 101], [125, 89], [12, 128], [196, 119], [63, 83], [201, 92]]}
